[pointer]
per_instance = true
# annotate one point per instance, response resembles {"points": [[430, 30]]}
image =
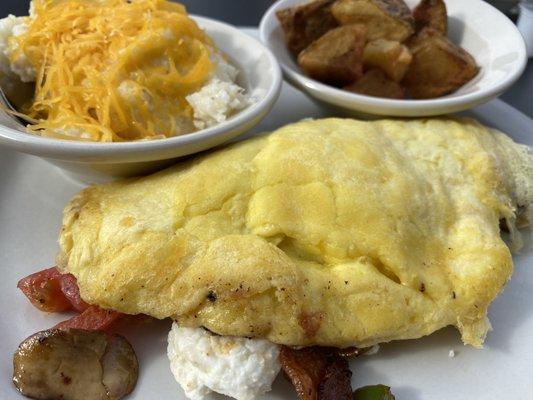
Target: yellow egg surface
{"points": [[328, 232]]}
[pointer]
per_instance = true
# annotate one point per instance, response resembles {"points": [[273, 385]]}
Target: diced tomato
{"points": [[93, 318], [43, 289], [69, 287], [51, 291]]}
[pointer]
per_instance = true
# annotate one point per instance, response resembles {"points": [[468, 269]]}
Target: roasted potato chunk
{"points": [[439, 67], [390, 56], [337, 57], [431, 14], [304, 24], [388, 19], [375, 83]]}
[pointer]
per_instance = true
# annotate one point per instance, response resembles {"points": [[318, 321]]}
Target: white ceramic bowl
{"points": [[259, 74], [487, 34]]}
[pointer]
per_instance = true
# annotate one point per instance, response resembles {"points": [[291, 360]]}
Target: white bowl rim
{"points": [[395, 104], [70, 149]]}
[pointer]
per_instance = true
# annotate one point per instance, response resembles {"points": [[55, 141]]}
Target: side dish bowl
{"points": [[89, 162], [487, 34]]}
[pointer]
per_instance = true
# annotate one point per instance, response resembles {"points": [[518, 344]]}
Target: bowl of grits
{"points": [[123, 88]]}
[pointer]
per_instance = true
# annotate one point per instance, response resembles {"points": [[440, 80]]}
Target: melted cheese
{"points": [[88, 53]]}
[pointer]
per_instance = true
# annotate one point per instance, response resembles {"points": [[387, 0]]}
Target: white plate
{"points": [[33, 193], [487, 34]]}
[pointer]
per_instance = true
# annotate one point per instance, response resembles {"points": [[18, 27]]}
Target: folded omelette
{"points": [[331, 232]]}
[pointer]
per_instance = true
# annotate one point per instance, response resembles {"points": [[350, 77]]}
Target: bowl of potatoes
{"points": [[399, 58]]}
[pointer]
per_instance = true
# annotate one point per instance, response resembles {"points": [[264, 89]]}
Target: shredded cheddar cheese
{"points": [[116, 70]]}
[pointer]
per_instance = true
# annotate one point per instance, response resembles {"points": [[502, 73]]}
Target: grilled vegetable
{"points": [[374, 392], [75, 365]]}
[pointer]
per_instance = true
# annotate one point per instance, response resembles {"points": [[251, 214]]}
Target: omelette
{"points": [[332, 232]]}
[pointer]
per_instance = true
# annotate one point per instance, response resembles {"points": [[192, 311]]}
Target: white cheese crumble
{"points": [[12, 26], [238, 367], [220, 97], [451, 354]]}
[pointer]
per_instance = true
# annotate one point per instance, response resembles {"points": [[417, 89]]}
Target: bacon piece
{"points": [[93, 318], [336, 383], [317, 373], [51, 291]]}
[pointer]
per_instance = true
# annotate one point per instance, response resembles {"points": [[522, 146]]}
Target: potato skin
{"points": [[431, 14], [439, 67], [337, 57], [388, 19], [375, 83], [303, 24]]}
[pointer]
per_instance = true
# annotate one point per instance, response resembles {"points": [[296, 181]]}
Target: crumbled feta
{"points": [[224, 70], [451, 354], [7, 25], [238, 367], [12, 26], [212, 104], [220, 97], [215, 102]]}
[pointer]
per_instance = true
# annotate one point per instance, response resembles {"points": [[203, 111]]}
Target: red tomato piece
{"points": [[93, 318], [69, 287], [50, 290], [43, 289]]}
